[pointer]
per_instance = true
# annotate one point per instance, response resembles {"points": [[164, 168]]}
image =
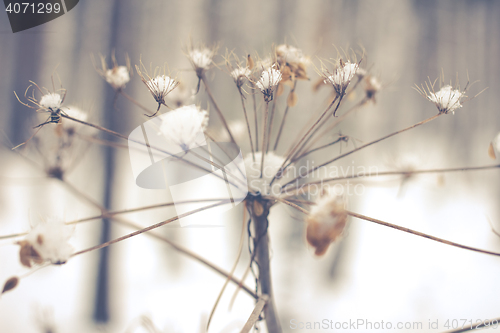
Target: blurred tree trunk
{"points": [[111, 121]]}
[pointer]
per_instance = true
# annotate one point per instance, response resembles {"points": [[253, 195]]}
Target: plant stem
{"points": [[364, 146], [294, 149], [259, 209], [284, 117], [248, 124], [264, 139], [255, 117], [421, 234], [216, 106]]}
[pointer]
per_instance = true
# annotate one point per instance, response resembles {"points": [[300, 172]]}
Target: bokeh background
{"points": [[375, 273]]}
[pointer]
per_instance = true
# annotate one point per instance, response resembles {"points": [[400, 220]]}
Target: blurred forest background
{"points": [[375, 273]]}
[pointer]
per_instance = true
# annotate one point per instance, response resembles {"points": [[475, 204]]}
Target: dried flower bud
{"points": [[269, 80], [292, 99], [250, 62], [325, 222], [372, 86], [342, 76], [292, 63], [239, 74], [117, 77], [10, 284], [447, 99]]}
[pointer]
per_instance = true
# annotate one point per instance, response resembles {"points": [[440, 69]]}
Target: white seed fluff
{"points": [[117, 77], [51, 101], [269, 79], [182, 125], [446, 99], [50, 239], [290, 54], [240, 73], [161, 85], [272, 164], [76, 113], [201, 58], [342, 76]]}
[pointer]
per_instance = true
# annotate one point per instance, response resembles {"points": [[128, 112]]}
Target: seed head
{"points": [[292, 63], [117, 77], [51, 101], [326, 222], [183, 125], [342, 76], [160, 85], [447, 99], [48, 241], [269, 80], [239, 74]]}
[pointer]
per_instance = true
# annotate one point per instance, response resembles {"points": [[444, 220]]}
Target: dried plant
{"points": [[271, 174]]}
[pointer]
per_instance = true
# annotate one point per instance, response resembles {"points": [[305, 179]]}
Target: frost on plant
{"points": [[183, 125]]}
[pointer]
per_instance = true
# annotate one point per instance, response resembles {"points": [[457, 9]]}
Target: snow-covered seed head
{"points": [[160, 87], [269, 80], [48, 241], [326, 222], [292, 62], [183, 125], [239, 74], [342, 76], [447, 99], [201, 59], [272, 164], [51, 102], [289, 54], [117, 77]]}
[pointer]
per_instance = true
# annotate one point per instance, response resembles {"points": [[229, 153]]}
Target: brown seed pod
{"points": [[325, 225], [250, 63], [291, 101], [280, 89], [28, 255], [491, 152], [10, 284]]}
